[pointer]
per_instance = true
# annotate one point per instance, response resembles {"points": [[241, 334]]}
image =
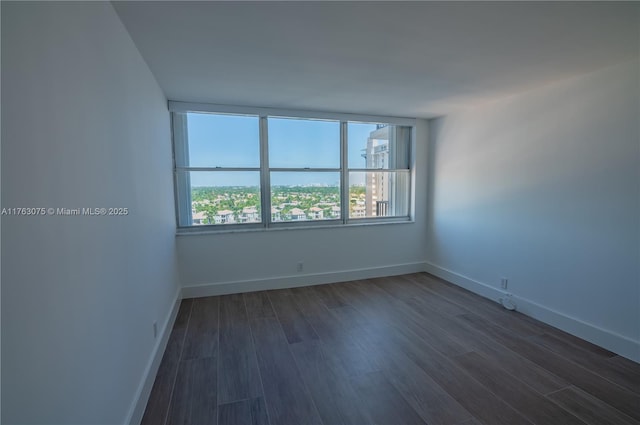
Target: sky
{"points": [[233, 141]]}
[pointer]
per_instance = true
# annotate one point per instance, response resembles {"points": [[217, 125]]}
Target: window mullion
{"points": [[265, 185], [208, 169], [306, 170], [344, 173]]}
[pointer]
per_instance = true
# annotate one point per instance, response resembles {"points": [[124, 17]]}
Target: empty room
{"points": [[320, 212]]}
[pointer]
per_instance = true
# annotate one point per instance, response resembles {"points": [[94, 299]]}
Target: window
{"points": [[304, 169], [217, 169], [249, 167], [379, 171]]}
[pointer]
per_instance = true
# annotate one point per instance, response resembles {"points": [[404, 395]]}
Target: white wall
{"points": [[265, 259], [544, 188], [84, 124]]}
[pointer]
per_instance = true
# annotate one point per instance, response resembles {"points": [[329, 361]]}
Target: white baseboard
{"points": [[612, 341], [136, 411], [235, 287], [474, 286]]}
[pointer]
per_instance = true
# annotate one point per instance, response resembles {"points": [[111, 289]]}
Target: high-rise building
{"points": [[377, 183]]}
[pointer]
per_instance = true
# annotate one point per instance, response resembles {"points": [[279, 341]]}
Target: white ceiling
{"points": [[415, 59]]}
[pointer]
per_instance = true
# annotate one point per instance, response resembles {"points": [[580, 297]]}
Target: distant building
{"points": [[316, 213], [335, 212], [377, 184], [275, 214], [297, 214], [249, 215], [358, 211], [199, 218], [224, 217]]}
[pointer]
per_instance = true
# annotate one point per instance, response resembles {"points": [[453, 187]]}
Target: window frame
{"points": [[182, 185]]}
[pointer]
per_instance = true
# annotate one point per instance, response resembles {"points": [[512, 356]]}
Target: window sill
{"points": [[189, 231]]}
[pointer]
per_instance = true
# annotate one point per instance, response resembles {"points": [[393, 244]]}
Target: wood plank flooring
{"points": [[409, 349]]}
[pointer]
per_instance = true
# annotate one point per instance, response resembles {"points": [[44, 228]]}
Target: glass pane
{"points": [[224, 197], [300, 196], [378, 194], [378, 146], [297, 143], [217, 140]]}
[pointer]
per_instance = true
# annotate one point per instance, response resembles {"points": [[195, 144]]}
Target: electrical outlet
{"points": [[300, 266], [155, 330], [504, 283]]}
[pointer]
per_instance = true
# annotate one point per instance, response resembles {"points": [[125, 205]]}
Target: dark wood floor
{"points": [[409, 349]]}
